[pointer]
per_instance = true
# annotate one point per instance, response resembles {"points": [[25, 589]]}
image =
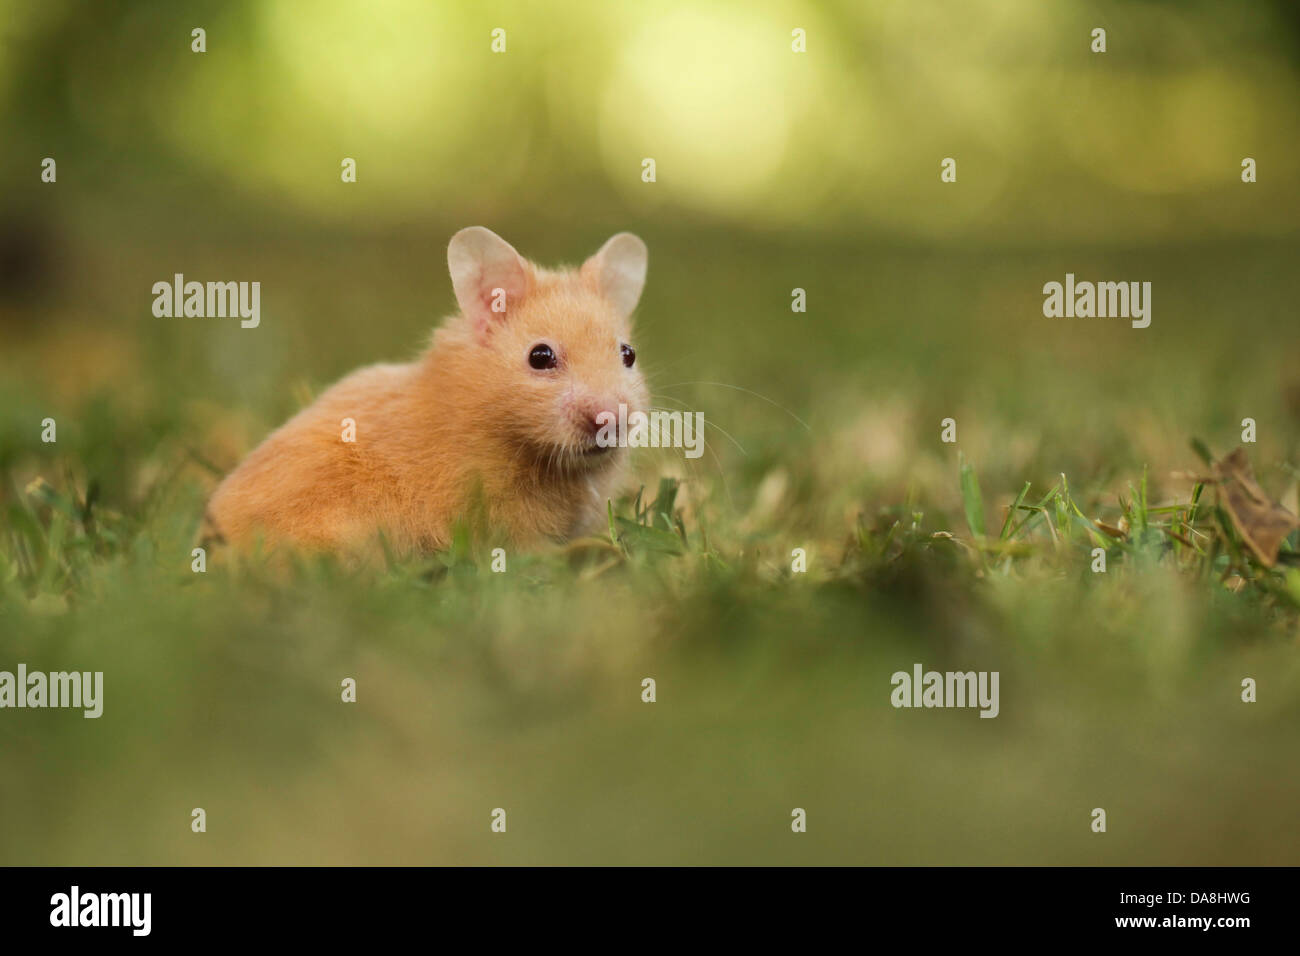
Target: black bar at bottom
{"points": [[333, 905]]}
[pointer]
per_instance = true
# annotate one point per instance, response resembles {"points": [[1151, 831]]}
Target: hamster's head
{"points": [[556, 366]]}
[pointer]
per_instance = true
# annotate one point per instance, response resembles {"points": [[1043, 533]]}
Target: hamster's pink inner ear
{"points": [[618, 270], [490, 278]]}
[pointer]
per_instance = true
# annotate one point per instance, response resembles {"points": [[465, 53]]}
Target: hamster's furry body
{"points": [[501, 412]]}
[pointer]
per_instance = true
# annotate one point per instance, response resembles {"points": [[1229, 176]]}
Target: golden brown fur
{"points": [[470, 417]]}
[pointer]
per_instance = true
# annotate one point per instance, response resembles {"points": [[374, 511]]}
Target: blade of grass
{"points": [[1006, 523], [971, 498]]}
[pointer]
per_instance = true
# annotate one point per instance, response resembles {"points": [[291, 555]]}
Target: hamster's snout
{"points": [[593, 417]]}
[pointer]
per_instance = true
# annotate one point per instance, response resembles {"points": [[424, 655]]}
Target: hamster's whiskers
{"points": [[669, 398], [747, 392]]}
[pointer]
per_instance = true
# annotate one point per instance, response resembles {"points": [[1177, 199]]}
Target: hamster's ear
{"points": [[489, 277], [618, 271]]}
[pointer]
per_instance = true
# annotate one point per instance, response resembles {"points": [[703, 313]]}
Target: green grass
{"points": [[523, 689]]}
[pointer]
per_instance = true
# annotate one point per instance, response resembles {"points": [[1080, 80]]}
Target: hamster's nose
{"points": [[598, 417]]}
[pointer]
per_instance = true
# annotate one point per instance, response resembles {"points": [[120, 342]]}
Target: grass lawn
{"points": [[522, 690]]}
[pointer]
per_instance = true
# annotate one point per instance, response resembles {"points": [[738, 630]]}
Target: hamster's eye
{"points": [[629, 355], [542, 356]]}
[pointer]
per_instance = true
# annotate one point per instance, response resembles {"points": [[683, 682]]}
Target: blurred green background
{"points": [[775, 171]]}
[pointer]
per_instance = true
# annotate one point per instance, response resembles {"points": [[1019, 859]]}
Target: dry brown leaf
{"points": [[1261, 521]]}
